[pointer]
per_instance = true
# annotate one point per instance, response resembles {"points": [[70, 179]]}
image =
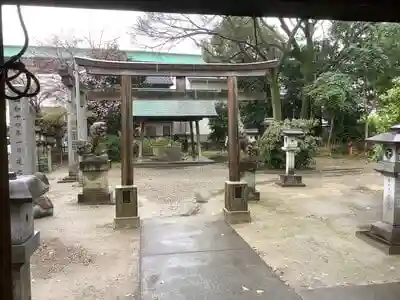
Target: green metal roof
{"points": [[172, 58], [133, 55], [174, 108]]}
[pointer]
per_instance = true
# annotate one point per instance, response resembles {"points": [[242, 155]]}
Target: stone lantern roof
{"points": [[251, 131], [26, 187], [292, 132], [390, 137]]}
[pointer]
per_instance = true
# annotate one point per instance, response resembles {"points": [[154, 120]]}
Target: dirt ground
{"points": [[307, 235], [82, 257]]}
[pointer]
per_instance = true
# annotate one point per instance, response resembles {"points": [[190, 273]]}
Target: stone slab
{"points": [[69, 179], [98, 199], [378, 243], [237, 217], [387, 291], [126, 222], [290, 181], [197, 259]]}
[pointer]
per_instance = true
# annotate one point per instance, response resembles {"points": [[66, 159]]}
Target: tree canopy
{"points": [[336, 71]]}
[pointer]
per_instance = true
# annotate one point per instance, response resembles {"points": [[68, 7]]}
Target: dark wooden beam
{"points": [[168, 95], [105, 67], [233, 130], [6, 283], [126, 132], [355, 10]]}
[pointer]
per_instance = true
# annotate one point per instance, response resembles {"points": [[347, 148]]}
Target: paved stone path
{"points": [[201, 258], [198, 258]]}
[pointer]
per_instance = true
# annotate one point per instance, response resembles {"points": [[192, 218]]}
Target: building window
{"points": [[150, 131], [166, 130]]}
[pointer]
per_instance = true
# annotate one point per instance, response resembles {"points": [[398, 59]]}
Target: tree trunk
{"points": [[275, 96], [330, 135]]}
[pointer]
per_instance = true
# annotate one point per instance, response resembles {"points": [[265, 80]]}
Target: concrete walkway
{"points": [[197, 258]]}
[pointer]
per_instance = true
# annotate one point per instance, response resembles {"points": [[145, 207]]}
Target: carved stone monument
{"points": [[290, 146], [94, 167], [385, 234], [22, 137], [25, 240]]}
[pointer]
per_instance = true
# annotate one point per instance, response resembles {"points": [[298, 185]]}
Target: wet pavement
{"points": [[197, 258]]}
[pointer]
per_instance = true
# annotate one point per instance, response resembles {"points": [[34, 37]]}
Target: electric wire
{"points": [[13, 68]]}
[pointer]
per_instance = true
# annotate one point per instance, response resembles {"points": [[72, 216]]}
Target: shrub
{"points": [[272, 141], [114, 147]]}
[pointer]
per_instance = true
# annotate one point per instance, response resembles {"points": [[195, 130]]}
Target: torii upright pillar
{"points": [[126, 208], [236, 208]]}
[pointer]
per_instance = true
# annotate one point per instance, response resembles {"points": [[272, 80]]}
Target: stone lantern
{"points": [[385, 234], [290, 146], [248, 164], [25, 240]]}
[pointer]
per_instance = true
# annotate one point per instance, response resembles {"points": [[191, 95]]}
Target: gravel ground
{"points": [[82, 257]]}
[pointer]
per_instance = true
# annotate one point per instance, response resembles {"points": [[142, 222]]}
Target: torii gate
{"points": [[126, 194]]}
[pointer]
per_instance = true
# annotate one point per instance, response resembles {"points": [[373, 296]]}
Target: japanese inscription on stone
{"points": [[16, 137]]}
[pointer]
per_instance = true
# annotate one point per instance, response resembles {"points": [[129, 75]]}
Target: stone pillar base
{"points": [[253, 195], [95, 198], [21, 271], [128, 222], [237, 217], [382, 236], [290, 181], [236, 208], [126, 208]]}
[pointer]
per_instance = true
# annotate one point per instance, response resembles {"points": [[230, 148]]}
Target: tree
{"points": [[233, 39], [67, 48], [333, 93], [219, 124]]}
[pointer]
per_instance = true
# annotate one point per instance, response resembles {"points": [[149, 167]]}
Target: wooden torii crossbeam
{"points": [[149, 94], [128, 68]]}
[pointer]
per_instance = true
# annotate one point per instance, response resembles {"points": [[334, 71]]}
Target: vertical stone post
{"points": [[17, 157], [29, 137], [192, 140], [141, 140], [290, 146], [69, 81], [23, 237], [198, 139], [84, 123], [236, 206], [49, 160], [385, 234], [126, 201], [71, 123]]}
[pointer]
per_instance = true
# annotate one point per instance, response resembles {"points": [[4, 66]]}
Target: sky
{"points": [[44, 22]]}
